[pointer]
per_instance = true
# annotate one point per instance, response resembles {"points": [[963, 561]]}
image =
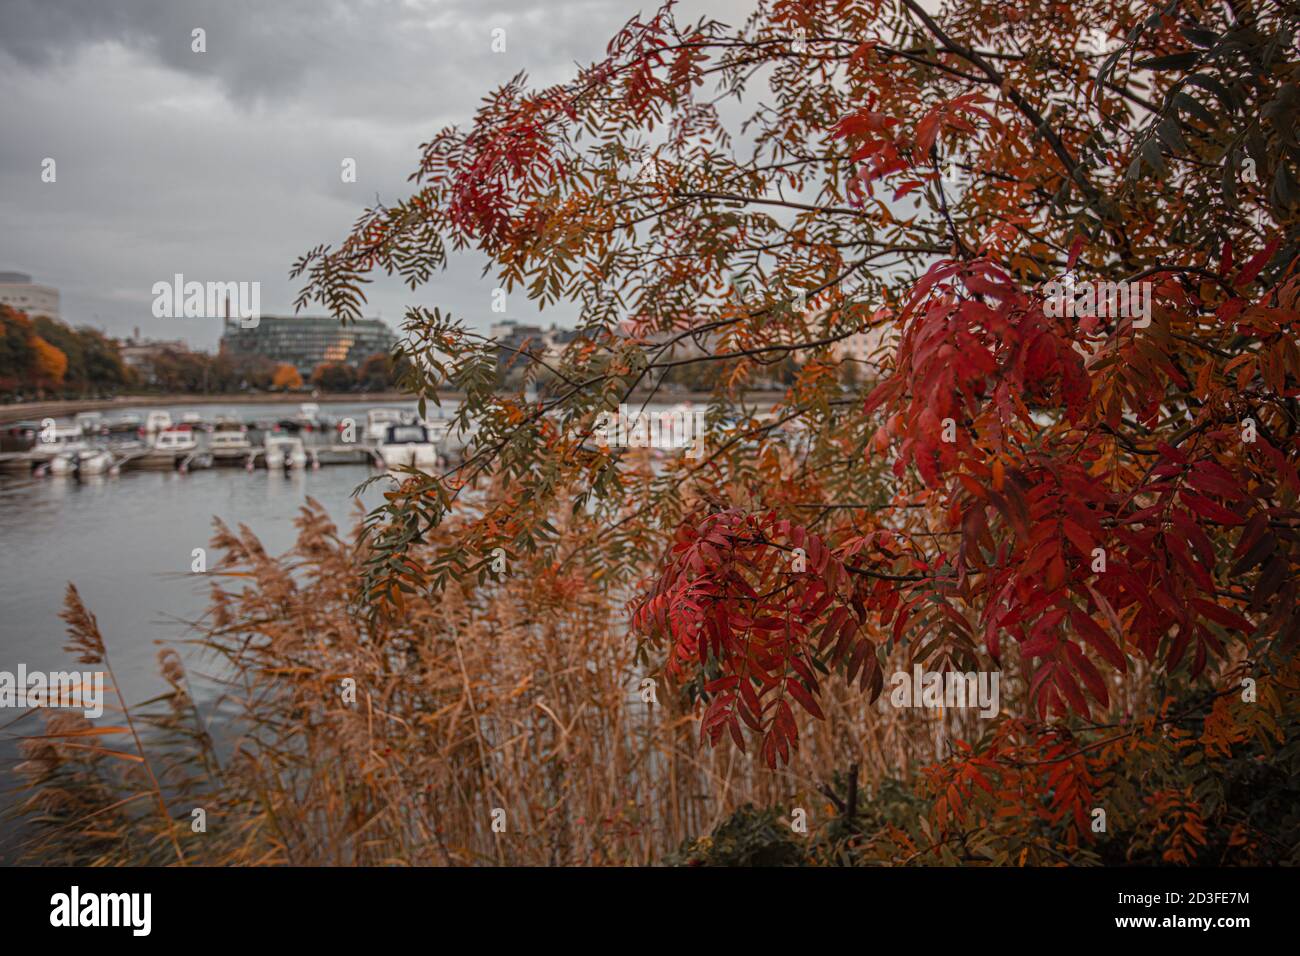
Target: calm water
{"points": [[126, 542]]}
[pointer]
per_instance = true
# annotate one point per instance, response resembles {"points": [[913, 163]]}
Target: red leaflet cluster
{"points": [[1060, 548], [1081, 547], [1035, 572], [882, 153], [971, 365], [1021, 770], [757, 608], [878, 153], [496, 165]]}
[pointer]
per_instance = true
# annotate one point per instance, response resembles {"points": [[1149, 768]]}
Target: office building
{"points": [[306, 341]]}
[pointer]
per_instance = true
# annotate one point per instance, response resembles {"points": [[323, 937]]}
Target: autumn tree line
{"points": [[42, 358]]}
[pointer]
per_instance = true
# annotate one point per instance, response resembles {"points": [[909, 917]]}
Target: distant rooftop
{"points": [[19, 278]]}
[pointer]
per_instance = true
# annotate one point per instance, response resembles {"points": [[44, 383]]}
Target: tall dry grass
{"points": [[523, 696]]}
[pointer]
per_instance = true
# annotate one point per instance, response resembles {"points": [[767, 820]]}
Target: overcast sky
{"points": [[225, 165]]}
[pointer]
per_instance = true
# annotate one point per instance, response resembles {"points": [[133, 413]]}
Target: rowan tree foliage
{"points": [[1070, 498]]}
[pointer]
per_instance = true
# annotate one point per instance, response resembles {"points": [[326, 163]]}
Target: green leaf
{"points": [[1199, 36], [1174, 61], [1168, 133], [1189, 104], [1151, 154], [1211, 85]]}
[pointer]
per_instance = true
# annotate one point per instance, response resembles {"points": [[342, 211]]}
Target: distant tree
{"points": [[256, 371], [286, 377], [93, 362], [17, 350], [222, 373], [63, 338], [51, 364], [101, 361], [334, 377], [376, 372], [177, 371]]}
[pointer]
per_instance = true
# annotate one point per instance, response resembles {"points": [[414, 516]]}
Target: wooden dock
{"points": [[34, 461]]}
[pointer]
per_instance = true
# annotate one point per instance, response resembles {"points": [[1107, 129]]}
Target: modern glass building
{"points": [[306, 341]]}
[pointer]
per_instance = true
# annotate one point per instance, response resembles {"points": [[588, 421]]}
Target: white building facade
{"points": [[19, 292]]}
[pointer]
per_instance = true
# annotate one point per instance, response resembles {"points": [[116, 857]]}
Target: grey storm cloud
{"points": [[266, 49], [225, 165]]}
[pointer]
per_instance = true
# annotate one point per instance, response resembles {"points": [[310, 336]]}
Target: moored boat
{"points": [[173, 448], [156, 422], [87, 461], [438, 428], [124, 426], [309, 417], [285, 451], [378, 421], [408, 446], [56, 440], [229, 444], [91, 423], [19, 436]]}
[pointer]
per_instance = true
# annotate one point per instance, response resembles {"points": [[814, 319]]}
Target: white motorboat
{"points": [[179, 440], [379, 419], [408, 446], [53, 441], [124, 427], [309, 416], [88, 461], [230, 444], [91, 423], [285, 451], [438, 428], [170, 448], [156, 422]]}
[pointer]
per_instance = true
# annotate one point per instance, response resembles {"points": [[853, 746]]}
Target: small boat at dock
{"points": [[229, 444], [285, 451], [124, 426], [86, 461], [438, 428], [91, 423], [408, 446], [19, 436], [173, 448], [56, 440], [309, 417], [379, 419], [156, 422]]}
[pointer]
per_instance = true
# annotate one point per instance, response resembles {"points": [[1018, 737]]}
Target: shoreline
{"points": [[62, 408], [21, 411]]}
